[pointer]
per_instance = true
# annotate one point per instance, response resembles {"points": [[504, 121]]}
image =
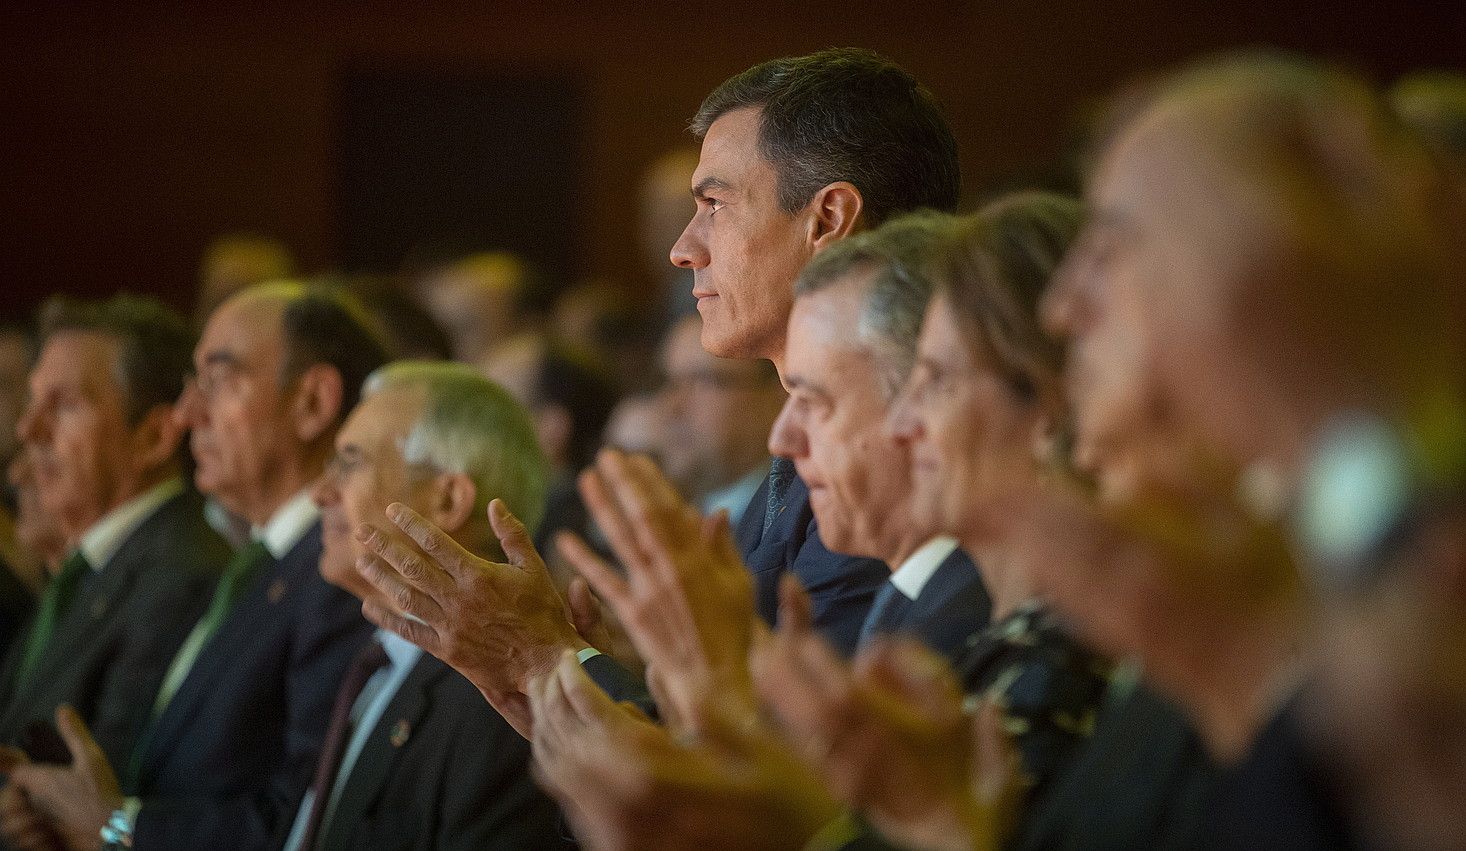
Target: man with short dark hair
{"points": [[102, 452], [239, 719], [797, 154]]}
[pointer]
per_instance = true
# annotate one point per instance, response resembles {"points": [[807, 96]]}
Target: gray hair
{"points": [[896, 256], [470, 425]]}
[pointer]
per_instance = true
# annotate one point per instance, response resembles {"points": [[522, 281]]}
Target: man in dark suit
{"points": [[238, 721], [841, 384], [415, 757], [102, 451], [891, 151]]}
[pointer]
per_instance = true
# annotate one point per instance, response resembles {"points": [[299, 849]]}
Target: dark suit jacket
{"points": [[113, 645], [16, 605], [840, 587], [228, 760], [951, 607], [1282, 796], [441, 770], [1142, 781]]}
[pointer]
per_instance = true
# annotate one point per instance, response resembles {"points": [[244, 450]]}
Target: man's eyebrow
{"points": [[797, 382], [700, 191], [226, 358]]}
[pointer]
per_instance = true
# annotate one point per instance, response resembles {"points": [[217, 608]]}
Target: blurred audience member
{"points": [[664, 208], [1282, 261], [1434, 103], [414, 752], [638, 424], [238, 723], [716, 414], [485, 302], [235, 261], [400, 320], [570, 397], [599, 315], [102, 452]]}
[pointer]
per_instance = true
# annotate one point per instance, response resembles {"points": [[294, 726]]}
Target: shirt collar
{"points": [[288, 525], [403, 653], [918, 567], [101, 542], [735, 497]]}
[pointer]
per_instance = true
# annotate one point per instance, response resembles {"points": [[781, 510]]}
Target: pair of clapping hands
{"points": [[886, 737]]}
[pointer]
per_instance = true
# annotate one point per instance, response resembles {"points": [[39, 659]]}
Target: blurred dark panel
{"points": [[437, 161]]}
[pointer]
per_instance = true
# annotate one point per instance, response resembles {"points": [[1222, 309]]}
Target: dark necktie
{"points": [[781, 476], [58, 596], [367, 662], [885, 609]]}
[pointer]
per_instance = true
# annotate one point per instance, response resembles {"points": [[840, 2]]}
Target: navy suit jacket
{"points": [[840, 587], [1142, 781], [951, 608], [113, 645], [233, 752], [441, 770], [1282, 796]]}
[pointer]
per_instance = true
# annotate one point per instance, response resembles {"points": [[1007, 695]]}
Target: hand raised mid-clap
{"points": [[497, 624], [686, 600]]}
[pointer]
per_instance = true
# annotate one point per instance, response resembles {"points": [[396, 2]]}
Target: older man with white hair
{"points": [[413, 750]]}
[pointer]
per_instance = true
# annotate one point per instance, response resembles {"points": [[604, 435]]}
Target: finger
{"points": [[601, 576], [396, 593], [421, 634], [11, 757], [515, 539], [590, 702], [795, 610], [437, 545], [908, 669], [86, 754], [659, 490], [585, 611], [610, 519], [653, 526]]}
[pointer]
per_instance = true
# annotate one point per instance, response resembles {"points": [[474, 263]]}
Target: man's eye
{"points": [[714, 205]]}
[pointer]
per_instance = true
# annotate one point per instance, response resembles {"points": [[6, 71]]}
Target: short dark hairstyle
{"points": [[576, 380], [846, 114], [896, 255], [155, 344], [329, 326]]}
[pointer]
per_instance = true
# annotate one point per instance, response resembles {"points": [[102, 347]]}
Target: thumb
{"points": [[906, 668], [11, 758], [513, 537], [85, 752], [795, 611]]}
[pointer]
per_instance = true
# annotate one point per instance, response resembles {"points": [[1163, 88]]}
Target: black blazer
{"points": [[114, 644], [1142, 781], [840, 587], [17, 603], [441, 770], [952, 606], [228, 760]]}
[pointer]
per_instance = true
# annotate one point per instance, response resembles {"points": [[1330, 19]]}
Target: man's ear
{"points": [[554, 429], [835, 214], [155, 438], [452, 501], [316, 406]]}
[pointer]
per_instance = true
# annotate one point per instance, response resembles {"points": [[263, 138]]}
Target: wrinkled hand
{"points": [[626, 783], [686, 601], [497, 624], [888, 736], [76, 800]]}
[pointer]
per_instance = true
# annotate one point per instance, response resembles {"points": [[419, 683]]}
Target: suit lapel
{"points": [[382, 749], [266, 592]]}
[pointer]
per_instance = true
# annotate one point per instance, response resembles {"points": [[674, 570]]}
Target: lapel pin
{"points": [[277, 591], [400, 733]]}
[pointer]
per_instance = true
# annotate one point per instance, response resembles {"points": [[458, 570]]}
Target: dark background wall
{"points": [[133, 132]]}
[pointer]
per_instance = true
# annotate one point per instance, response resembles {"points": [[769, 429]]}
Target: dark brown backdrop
{"points": [[132, 132]]}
